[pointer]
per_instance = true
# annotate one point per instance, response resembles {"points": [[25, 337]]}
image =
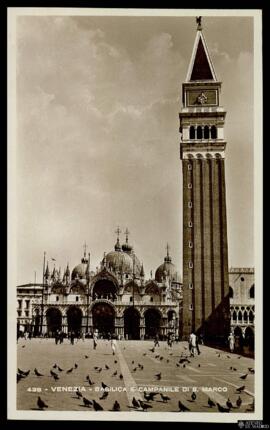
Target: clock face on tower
{"points": [[202, 98], [199, 97]]}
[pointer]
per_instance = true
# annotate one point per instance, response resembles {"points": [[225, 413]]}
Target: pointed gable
{"points": [[201, 67]]}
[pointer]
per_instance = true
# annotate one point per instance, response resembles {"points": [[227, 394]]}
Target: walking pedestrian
{"points": [[113, 345], [231, 342], [156, 341], [72, 336], [192, 344], [197, 345], [95, 339]]}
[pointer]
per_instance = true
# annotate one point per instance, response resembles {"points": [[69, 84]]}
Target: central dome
{"points": [[79, 271], [122, 261]]}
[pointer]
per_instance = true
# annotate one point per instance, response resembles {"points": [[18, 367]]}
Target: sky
{"points": [[97, 139]]}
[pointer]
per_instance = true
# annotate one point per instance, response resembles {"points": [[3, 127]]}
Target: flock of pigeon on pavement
{"points": [[149, 397]]}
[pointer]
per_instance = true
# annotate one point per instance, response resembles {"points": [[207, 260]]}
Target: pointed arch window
{"points": [[206, 132], [199, 132], [234, 316], [251, 292], [213, 132], [192, 132], [251, 317], [230, 293]]}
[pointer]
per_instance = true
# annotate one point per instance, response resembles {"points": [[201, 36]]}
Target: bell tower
{"points": [[202, 151]]}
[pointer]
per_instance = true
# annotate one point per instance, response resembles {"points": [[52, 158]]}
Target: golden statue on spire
{"points": [[199, 22]]}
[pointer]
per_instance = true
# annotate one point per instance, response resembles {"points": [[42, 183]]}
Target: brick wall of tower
{"points": [[208, 252], [188, 299]]}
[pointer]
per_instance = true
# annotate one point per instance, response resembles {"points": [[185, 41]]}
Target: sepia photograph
{"points": [[134, 208]]}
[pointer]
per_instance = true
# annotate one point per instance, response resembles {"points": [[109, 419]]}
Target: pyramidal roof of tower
{"points": [[201, 67]]}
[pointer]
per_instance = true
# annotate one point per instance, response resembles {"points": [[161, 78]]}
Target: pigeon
{"points": [[251, 370], [75, 365], [37, 372], [104, 395], [121, 376], [79, 394], [152, 350], [229, 404], [222, 409], [228, 356], [70, 370], [251, 407], [135, 403], [244, 376], [144, 405], [97, 406], [161, 358], [156, 356], [134, 370], [55, 377], [115, 361], [152, 395], [211, 403], [158, 376], [99, 370], [178, 365], [86, 356], [54, 366], [182, 407], [144, 354], [106, 367], [116, 406], [146, 396], [91, 382], [193, 396], [199, 365], [23, 373], [104, 385], [234, 369], [59, 368], [96, 367], [41, 404], [19, 377], [240, 389], [167, 360], [184, 365], [53, 373], [239, 402], [132, 362], [87, 402], [115, 373], [164, 398], [239, 357]]}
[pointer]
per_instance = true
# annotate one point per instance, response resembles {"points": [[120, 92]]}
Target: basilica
{"points": [[115, 299]]}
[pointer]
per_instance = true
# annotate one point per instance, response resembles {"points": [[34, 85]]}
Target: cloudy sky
{"points": [[97, 135]]}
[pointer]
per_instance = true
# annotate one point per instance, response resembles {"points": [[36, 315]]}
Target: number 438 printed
{"points": [[34, 389]]}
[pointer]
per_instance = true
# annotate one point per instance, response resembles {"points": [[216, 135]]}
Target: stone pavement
{"points": [[210, 375]]}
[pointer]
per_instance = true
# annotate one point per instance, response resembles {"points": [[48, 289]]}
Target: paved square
{"points": [[211, 375]]}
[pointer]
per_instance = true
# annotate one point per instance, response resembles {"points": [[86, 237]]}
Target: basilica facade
{"points": [[116, 298]]}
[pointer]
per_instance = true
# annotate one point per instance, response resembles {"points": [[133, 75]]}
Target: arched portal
{"points": [[249, 338], [104, 289], [152, 323], [54, 320], [74, 319], [132, 323], [103, 318]]}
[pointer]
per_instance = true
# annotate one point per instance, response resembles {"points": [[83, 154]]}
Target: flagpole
{"points": [[42, 297]]}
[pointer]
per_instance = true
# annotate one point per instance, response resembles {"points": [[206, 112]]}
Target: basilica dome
{"points": [[79, 271], [167, 269], [121, 261]]}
